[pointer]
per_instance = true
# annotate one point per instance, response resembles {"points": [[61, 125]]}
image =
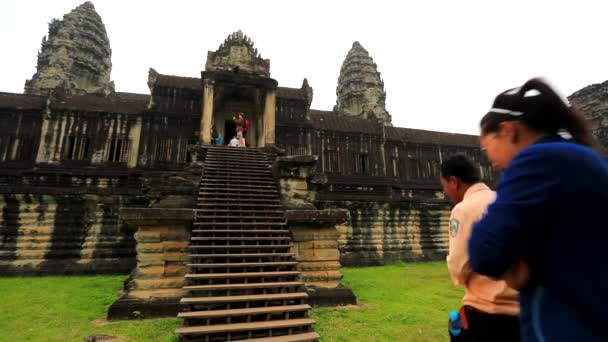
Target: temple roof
{"points": [[291, 93], [431, 137], [332, 121], [127, 103], [171, 81], [329, 120], [21, 102]]}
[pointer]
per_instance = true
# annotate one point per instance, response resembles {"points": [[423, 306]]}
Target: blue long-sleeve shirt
{"points": [[551, 210]]}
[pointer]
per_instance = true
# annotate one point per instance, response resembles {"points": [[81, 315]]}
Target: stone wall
{"points": [[386, 231], [64, 234]]}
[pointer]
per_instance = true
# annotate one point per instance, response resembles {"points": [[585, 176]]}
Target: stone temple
{"points": [[79, 161]]}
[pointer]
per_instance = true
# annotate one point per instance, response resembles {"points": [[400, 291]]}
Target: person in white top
{"points": [[491, 307], [234, 142]]}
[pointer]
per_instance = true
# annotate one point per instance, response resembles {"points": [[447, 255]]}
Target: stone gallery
{"points": [[95, 181]]}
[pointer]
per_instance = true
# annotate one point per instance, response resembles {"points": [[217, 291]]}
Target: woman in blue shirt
{"points": [[546, 232]]}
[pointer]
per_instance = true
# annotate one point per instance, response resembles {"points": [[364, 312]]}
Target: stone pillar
{"points": [[269, 117], [134, 138], [314, 233], [155, 286], [207, 117], [43, 154]]}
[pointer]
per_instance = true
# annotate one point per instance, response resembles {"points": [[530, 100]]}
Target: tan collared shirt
{"points": [[482, 293]]}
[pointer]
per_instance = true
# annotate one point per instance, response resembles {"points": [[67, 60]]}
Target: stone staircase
{"points": [[242, 280]]}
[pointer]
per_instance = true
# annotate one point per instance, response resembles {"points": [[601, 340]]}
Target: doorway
{"points": [[229, 131]]}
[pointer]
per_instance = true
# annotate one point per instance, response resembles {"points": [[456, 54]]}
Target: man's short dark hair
{"points": [[461, 167]]}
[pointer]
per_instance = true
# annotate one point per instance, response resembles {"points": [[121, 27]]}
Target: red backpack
{"points": [[247, 123]]}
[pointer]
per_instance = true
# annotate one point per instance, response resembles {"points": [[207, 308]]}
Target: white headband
{"points": [[505, 111]]}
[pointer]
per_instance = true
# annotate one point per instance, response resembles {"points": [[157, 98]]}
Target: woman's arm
{"points": [[523, 195]]}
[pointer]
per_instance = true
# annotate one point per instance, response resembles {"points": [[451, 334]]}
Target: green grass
{"points": [[68, 309], [400, 302]]}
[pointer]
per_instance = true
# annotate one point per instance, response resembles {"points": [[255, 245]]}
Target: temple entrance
{"points": [[229, 131]]}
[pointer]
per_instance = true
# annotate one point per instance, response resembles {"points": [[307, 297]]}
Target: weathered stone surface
{"points": [[593, 102], [379, 233], [360, 89], [238, 54], [162, 237], [75, 56], [317, 216], [69, 234]]}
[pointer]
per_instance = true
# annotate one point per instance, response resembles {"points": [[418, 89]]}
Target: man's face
{"points": [[450, 188]]}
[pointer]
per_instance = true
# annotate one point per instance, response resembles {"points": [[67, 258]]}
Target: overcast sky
{"points": [[442, 61]]}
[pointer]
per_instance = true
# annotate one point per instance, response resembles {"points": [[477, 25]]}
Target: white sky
{"points": [[442, 61]]}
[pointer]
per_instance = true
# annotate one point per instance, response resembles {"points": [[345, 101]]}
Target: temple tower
{"points": [[360, 90], [75, 56]]}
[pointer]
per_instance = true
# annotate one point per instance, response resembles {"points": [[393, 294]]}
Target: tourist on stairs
{"points": [[546, 232], [490, 306]]}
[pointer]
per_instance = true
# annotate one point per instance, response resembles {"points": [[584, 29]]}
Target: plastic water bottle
{"points": [[455, 326]]}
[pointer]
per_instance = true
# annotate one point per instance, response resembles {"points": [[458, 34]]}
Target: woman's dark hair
{"points": [[461, 167], [538, 106]]}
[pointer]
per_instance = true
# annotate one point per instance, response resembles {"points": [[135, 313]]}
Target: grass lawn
{"points": [[400, 302]]}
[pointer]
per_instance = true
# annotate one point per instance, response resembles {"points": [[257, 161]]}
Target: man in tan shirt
{"points": [[490, 306]]}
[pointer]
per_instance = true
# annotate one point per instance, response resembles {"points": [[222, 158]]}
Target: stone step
{"points": [[236, 157], [237, 180], [230, 200], [237, 194], [303, 337], [228, 181], [246, 298], [239, 238], [247, 286], [237, 186], [242, 255], [231, 204], [241, 231], [245, 264], [241, 247], [238, 211], [243, 312], [236, 217], [210, 329], [242, 275], [240, 224], [215, 149], [239, 189], [241, 164], [237, 172]]}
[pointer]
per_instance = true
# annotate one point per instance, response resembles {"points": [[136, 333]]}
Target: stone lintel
{"points": [[155, 216], [241, 80], [317, 216]]}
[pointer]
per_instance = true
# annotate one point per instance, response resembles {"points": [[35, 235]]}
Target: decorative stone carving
{"points": [[360, 90], [75, 56], [237, 54], [309, 93]]}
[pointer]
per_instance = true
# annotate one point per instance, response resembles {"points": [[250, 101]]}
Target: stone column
{"points": [[269, 117], [155, 286], [134, 137], [207, 117]]}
